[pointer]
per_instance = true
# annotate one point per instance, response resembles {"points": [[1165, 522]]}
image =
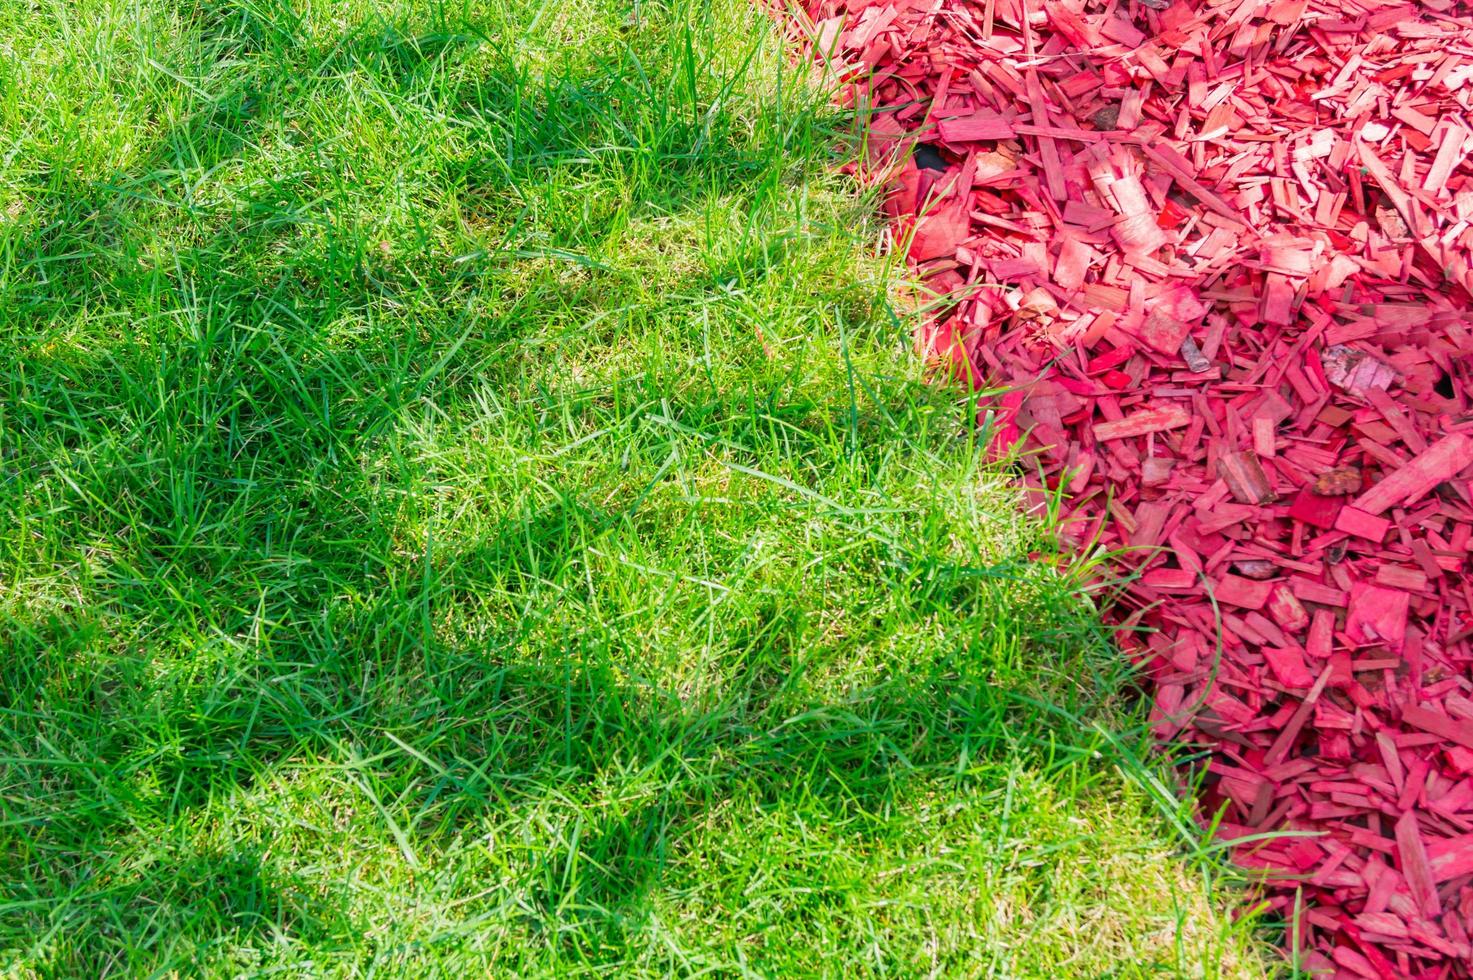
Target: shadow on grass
{"points": [[124, 764], [209, 644]]}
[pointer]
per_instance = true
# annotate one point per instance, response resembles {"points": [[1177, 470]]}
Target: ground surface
{"points": [[466, 503]]}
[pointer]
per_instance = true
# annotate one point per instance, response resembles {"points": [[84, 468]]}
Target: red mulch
{"points": [[1219, 253]]}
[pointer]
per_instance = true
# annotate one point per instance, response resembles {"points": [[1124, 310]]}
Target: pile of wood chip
{"points": [[1219, 255]]}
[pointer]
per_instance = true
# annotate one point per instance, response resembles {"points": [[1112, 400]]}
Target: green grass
{"points": [[467, 507]]}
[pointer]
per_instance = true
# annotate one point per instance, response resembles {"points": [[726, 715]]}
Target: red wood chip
{"points": [[1143, 423], [1414, 479], [1317, 511], [1439, 724], [983, 124], [1246, 592], [1245, 478], [1451, 857], [1353, 520], [1219, 255], [1288, 666], [1414, 866], [1377, 615]]}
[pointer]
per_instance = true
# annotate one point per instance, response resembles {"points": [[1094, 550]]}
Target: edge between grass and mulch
{"points": [[469, 504]]}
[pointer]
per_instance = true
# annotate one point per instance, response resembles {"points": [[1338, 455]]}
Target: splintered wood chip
{"points": [[1414, 480], [1355, 371], [1192, 354], [1245, 478], [1143, 423]]}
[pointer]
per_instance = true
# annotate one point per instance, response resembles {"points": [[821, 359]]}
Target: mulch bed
{"points": [[1218, 255]]}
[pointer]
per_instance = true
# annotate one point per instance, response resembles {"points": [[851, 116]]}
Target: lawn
{"points": [[468, 506]]}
